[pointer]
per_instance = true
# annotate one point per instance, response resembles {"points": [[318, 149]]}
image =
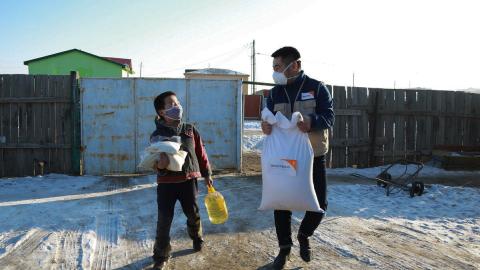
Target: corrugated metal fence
{"points": [[118, 118]]}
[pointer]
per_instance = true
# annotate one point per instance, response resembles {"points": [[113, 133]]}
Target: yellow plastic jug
{"points": [[216, 206]]}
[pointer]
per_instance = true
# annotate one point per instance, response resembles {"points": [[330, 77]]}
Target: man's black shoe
{"points": [[197, 244], [281, 259], [305, 251], [161, 264]]}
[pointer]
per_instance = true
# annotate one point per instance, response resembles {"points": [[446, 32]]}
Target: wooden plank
{"points": [[63, 123], [450, 123], [363, 125], [428, 144], [352, 128], [421, 133], [328, 156], [34, 146], [410, 124], [359, 142], [376, 123], [22, 89], [3, 124], [475, 126], [439, 122], [40, 89], [348, 112], [389, 121], [34, 99], [399, 145], [467, 140], [459, 121], [339, 130], [15, 155]]}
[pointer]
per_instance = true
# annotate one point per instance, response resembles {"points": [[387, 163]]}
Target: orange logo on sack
{"points": [[292, 163]]}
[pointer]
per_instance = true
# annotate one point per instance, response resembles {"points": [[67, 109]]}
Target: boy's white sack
{"points": [[176, 156], [287, 166]]}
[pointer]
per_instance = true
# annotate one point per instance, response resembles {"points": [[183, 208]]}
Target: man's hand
{"points": [[162, 162], [208, 181], [266, 128], [305, 125]]}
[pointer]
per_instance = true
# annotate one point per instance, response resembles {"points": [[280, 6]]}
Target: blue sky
{"points": [[433, 44]]}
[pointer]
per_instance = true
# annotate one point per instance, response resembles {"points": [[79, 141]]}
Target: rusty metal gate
{"points": [[118, 118]]}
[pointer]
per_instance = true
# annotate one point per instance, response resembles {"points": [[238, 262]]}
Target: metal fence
{"points": [[118, 118]]}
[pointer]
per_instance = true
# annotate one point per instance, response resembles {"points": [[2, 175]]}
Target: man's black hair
{"points": [[288, 54], [159, 101]]}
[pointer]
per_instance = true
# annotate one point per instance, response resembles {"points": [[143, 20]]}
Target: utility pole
{"points": [[140, 69], [253, 67]]}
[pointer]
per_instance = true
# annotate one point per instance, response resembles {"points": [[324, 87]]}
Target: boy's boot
{"points": [[281, 259]]}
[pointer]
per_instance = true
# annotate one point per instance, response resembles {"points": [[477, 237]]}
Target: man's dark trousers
{"points": [[311, 220]]}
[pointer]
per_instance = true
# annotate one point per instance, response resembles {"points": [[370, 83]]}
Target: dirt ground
{"points": [[111, 225]]}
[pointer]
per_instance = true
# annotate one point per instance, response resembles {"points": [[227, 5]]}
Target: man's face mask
{"points": [[174, 113], [279, 77]]}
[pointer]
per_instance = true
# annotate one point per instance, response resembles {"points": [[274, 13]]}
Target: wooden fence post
{"points": [[74, 77]]}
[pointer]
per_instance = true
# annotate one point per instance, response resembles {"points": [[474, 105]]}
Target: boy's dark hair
{"points": [[159, 102], [288, 54]]}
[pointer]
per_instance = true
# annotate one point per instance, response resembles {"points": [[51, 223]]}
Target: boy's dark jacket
{"points": [[196, 163]]}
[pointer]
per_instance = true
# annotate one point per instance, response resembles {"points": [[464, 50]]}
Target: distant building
{"points": [[87, 64], [217, 74]]}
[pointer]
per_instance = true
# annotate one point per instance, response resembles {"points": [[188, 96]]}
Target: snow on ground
{"points": [[252, 136], [64, 222], [92, 222], [252, 125]]}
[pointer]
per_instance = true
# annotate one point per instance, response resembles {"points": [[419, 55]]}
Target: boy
{"points": [[173, 186]]}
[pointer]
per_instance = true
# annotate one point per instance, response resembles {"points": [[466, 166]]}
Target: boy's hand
{"points": [[208, 181], [266, 128], [162, 162]]}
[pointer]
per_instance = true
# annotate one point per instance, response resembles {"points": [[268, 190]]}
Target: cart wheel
{"points": [[384, 176], [418, 188]]}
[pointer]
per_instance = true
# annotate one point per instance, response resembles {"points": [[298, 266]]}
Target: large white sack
{"points": [[152, 152], [176, 161], [287, 166]]}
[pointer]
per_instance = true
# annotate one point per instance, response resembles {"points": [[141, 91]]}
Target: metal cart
{"points": [[406, 181]]}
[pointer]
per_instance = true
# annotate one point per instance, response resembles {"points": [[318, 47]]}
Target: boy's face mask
{"points": [[174, 113]]}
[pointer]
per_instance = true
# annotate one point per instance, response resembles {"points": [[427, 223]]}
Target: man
{"points": [[181, 186], [295, 91]]}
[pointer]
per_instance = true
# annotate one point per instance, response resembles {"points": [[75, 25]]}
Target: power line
{"points": [[237, 50]]}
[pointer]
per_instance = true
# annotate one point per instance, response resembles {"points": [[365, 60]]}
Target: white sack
{"points": [[287, 166], [152, 154]]}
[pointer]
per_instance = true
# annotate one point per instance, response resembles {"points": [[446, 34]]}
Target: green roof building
{"points": [[87, 65]]}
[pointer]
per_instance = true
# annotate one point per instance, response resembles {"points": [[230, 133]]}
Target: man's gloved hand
{"points": [[305, 125], [266, 128]]}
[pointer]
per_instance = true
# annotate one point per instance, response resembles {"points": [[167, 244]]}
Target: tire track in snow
{"points": [[68, 252], [106, 234], [15, 258]]}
